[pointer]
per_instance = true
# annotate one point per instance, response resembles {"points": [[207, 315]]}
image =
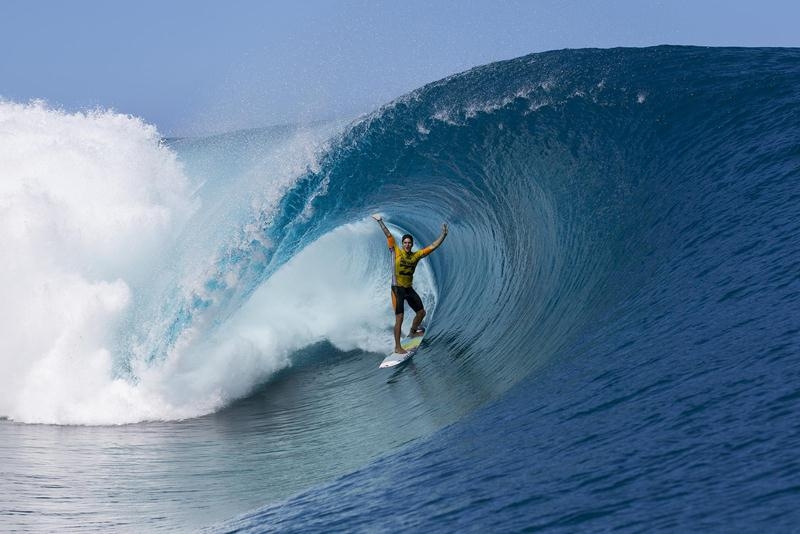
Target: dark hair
{"points": [[407, 236]]}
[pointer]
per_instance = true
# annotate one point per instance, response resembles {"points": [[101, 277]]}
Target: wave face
{"points": [[625, 236], [622, 256]]}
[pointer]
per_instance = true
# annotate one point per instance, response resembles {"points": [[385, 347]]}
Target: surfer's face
{"points": [[407, 244]]}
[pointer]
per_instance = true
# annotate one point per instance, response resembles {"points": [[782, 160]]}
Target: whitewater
{"points": [[93, 229], [191, 327]]}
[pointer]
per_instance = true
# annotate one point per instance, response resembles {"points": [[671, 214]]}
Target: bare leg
{"points": [[398, 325], [417, 320]]}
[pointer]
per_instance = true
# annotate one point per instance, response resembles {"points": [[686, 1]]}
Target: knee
{"points": [[421, 313]]}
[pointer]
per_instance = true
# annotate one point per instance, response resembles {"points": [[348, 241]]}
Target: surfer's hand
{"points": [[377, 217]]}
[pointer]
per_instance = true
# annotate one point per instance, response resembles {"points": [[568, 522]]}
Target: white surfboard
{"points": [[411, 344]]}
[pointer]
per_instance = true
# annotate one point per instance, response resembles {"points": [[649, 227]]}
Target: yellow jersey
{"points": [[404, 263]]}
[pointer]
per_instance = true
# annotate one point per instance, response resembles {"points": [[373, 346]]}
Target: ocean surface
{"points": [[192, 327]]}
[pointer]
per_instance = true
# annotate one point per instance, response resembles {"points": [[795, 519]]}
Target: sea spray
{"points": [[87, 203]]}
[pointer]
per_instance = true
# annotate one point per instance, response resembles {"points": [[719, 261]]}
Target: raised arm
{"points": [[433, 246], [386, 231]]}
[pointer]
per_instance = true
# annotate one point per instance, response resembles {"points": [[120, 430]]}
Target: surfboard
{"points": [[411, 344]]}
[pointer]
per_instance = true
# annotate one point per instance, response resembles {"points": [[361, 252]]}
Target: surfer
{"points": [[404, 263]]}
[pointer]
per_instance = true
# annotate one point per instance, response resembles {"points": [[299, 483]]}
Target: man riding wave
{"points": [[404, 262]]}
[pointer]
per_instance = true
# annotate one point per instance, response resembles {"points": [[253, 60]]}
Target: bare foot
{"points": [[400, 350]]}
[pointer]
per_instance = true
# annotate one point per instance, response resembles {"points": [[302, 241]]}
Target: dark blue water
{"points": [[635, 228], [614, 326]]}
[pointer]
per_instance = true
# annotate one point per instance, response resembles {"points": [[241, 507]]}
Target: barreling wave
{"points": [[622, 221], [628, 218], [557, 172]]}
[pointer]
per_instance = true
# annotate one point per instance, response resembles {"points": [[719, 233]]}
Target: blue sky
{"points": [[193, 67]]}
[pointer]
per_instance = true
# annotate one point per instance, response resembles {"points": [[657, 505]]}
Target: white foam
{"points": [[92, 205], [86, 200], [337, 289]]}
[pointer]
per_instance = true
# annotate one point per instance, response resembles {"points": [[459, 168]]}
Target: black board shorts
{"points": [[407, 294]]}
